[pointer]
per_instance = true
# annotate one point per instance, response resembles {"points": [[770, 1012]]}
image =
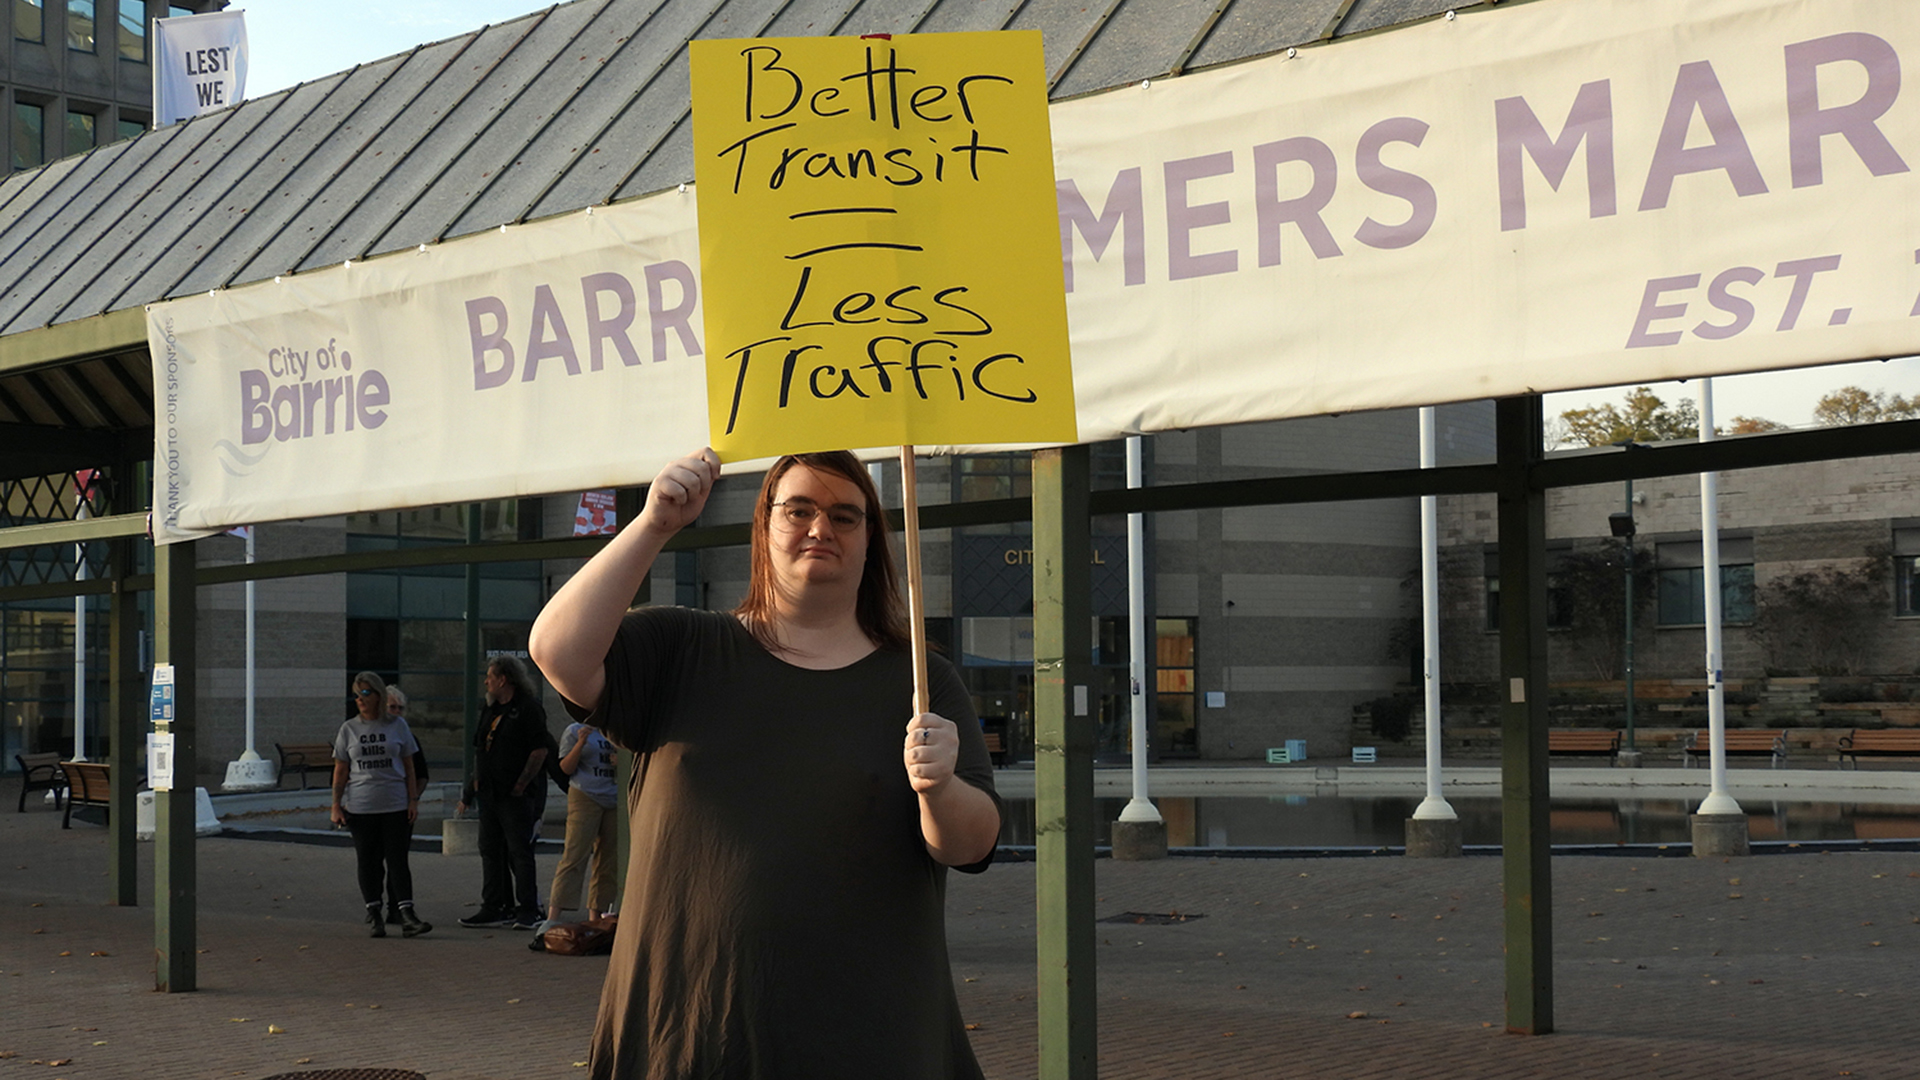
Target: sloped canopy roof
{"points": [[581, 104]]}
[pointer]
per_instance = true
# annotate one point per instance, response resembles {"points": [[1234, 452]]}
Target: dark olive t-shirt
{"points": [[782, 918]]}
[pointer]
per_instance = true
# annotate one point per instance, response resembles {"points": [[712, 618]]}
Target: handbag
{"points": [[593, 937]]}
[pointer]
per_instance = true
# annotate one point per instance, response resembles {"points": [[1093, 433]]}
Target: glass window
{"points": [[128, 129], [133, 30], [994, 476], [29, 135], [174, 11], [1906, 571], [80, 127], [1559, 598], [80, 25], [1681, 593], [1176, 728], [407, 624], [29, 22]]}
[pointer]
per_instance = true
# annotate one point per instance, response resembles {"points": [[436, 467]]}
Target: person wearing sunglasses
{"points": [[792, 818], [377, 797]]}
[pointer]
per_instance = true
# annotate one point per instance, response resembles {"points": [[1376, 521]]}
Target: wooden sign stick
{"points": [[916, 597]]}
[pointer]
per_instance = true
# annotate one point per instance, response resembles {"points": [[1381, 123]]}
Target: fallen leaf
{"points": [[57, 1062], [236, 1019], [66, 952], [303, 1061], [973, 1027], [513, 1001], [276, 1029], [1359, 1014], [99, 952]]}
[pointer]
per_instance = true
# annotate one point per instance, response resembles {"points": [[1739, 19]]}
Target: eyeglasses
{"points": [[800, 513], [366, 693]]}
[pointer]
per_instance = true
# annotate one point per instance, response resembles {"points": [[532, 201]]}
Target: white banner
{"points": [[1546, 196], [550, 357], [199, 65], [1540, 197]]}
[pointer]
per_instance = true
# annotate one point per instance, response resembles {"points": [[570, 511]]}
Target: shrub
{"points": [[1845, 693], [1391, 718]]}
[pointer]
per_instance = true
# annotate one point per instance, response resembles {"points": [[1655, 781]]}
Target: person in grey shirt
{"points": [[592, 825], [377, 796]]}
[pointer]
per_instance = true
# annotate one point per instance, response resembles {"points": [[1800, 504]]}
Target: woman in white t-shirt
{"points": [[376, 796]]}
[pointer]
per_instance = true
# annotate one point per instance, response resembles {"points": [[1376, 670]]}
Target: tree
{"points": [[1591, 583], [1751, 425], [1852, 405], [1825, 620], [1645, 418]]}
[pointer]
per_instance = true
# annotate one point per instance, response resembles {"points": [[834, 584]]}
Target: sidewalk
{"points": [[1773, 966]]}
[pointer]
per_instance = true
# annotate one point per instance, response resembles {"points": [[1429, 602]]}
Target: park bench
{"points": [[996, 747], [40, 772], [304, 758], [1583, 743], [1871, 743], [1741, 742], [89, 783]]}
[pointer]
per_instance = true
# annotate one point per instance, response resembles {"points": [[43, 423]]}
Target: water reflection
{"points": [[1365, 821]]}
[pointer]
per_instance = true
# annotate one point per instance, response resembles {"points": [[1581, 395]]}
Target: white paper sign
{"points": [[160, 760]]}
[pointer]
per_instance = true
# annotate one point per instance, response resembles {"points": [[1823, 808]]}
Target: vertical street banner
{"points": [[199, 65], [879, 243]]}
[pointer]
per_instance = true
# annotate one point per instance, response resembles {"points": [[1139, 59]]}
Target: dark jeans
{"points": [[380, 846], [506, 854]]}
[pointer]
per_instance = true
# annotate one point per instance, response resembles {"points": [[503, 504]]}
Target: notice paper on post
{"points": [[879, 243]]}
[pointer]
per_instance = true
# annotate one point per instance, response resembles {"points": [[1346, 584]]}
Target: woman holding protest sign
{"points": [[792, 817]]}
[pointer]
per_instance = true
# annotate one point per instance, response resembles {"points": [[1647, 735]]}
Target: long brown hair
{"points": [[877, 608]]}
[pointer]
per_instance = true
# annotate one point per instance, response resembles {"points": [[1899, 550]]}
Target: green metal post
{"points": [[1063, 763], [126, 729], [1523, 718], [126, 702], [1629, 626], [470, 686], [176, 901]]}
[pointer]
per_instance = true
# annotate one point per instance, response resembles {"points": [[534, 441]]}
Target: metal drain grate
{"points": [[1153, 918], [351, 1074]]}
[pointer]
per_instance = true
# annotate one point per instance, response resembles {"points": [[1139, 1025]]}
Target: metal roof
{"points": [[581, 104]]}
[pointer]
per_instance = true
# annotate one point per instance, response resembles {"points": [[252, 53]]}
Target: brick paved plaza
{"points": [[1781, 965]]}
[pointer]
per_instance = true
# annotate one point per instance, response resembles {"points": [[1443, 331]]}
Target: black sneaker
{"points": [[487, 918], [525, 920], [375, 927]]}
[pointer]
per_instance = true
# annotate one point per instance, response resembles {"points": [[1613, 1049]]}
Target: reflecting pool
{"points": [[1363, 821]]}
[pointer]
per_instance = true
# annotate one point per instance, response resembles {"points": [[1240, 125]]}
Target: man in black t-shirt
{"points": [[510, 753]]}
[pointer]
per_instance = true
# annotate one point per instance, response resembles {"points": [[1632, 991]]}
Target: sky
{"points": [[293, 41]]}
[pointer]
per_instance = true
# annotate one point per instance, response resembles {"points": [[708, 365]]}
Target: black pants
{"points": [[506, 854], [380, 845]]}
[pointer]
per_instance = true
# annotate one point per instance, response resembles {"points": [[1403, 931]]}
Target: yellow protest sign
{"points": [[880, 253]]}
